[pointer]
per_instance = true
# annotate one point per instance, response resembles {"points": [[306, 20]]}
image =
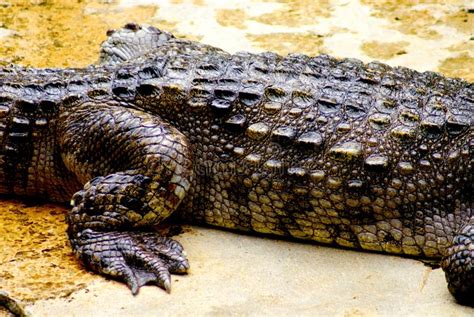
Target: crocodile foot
{"points": [[136, 258], [458, 265]]}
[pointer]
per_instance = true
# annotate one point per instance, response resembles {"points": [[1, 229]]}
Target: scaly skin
{"points": [[362, 156]]}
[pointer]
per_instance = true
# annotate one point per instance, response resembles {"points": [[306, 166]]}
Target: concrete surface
{"points": [[232, 274], [238, 275]]}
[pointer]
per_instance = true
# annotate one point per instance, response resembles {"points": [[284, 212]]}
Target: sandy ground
{"points": [[232, 274]]}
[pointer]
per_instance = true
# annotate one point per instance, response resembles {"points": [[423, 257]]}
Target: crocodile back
{"points": [[319, 148]]}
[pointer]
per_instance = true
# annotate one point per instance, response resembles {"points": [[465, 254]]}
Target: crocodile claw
{"points": [[134, 258], [12, 305], [135, 278]]}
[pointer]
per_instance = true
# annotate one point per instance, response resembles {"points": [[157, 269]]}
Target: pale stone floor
{"points": [[237, 275]]}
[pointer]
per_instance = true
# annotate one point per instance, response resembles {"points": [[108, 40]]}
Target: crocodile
{"points": [[335, 151]]}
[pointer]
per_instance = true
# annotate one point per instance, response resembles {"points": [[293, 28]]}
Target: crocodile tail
{"points": [[457, 265], [131, 41]]}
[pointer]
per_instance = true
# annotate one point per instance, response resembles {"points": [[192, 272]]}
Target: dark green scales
{"points": [[359, 155]]}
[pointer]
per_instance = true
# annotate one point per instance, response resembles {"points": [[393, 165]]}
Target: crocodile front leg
{"points": [[142, 169], [458, 265]]}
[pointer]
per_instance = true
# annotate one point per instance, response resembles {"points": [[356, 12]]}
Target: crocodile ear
{"points": [[131, 41]]}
